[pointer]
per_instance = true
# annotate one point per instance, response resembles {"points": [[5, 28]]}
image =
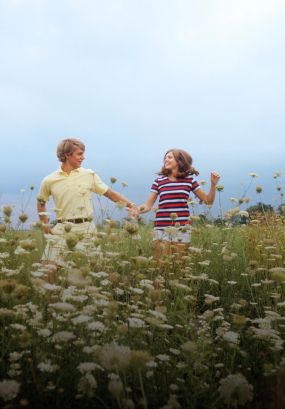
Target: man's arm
{"points": [[118, 198], [41, 208]]}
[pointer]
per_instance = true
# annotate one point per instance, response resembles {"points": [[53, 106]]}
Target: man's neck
{"points": [[67, 168]]}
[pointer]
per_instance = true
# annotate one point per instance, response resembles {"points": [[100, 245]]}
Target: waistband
{"points": [[77, 220]]}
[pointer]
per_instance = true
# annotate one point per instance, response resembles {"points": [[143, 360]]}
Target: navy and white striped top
{"points": [[173, 198]]}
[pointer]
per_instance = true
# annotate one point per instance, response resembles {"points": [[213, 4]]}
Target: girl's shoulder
{"points": [[160, 179], [190, 177]]}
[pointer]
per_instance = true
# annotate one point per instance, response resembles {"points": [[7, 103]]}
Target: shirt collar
{"points": [[62, 172]]}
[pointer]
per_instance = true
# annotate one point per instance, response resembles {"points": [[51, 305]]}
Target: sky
{"points": [[133, 78]]}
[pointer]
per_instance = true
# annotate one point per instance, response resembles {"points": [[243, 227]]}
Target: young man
{"points": [[71, 188]]}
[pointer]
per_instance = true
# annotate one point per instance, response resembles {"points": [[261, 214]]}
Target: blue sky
{"points": [[134, 78]]}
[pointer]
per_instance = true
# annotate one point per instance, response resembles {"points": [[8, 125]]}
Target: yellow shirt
{"points": [[72, 192]]}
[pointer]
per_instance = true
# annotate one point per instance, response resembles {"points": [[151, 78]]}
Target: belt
{"points": [[76, 221]]}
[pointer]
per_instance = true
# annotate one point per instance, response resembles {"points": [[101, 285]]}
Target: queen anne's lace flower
{"points": [[235, 389], [9, 389]]}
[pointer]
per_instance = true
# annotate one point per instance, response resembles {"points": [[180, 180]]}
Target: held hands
{"points": [[215, 177], [134, 212]]}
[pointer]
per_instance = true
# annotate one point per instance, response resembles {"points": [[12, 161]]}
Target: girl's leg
{"points": [[164, 248], [179, 249], [161, 249]]}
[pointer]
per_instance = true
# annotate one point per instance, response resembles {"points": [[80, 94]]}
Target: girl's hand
{"points": [[134, 212], [215, 177]]}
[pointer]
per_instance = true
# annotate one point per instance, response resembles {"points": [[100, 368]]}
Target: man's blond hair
{"points": [[67, 147]]}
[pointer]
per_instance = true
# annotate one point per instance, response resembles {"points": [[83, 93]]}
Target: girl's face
{"points": [[170, 163]]}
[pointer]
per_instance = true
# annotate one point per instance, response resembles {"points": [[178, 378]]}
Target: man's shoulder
{"points": [[52, 175], [86, 171]]}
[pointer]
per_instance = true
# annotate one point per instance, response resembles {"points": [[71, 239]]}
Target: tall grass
{"points": [[113, 329]]}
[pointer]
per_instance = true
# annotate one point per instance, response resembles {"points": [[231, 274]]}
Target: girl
{"points": [[172, 222]]}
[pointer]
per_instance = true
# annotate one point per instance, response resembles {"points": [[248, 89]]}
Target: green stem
{"points": [[145, 404]]}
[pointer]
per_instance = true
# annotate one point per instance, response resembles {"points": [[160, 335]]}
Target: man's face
{"points": [[76, 158]]}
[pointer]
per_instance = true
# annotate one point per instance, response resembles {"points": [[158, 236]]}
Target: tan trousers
{"points": [[56, 245]]}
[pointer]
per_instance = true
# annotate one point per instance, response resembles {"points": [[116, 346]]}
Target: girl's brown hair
{"points": [[184, 161], [67, 147]]}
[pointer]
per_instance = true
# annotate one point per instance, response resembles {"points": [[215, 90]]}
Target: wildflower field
{"points": [[112, 329]]}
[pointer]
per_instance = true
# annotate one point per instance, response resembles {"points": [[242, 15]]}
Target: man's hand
{"points": [[134, 212]]}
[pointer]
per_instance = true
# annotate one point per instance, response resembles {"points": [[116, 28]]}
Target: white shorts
{"points": [[173, 234]]}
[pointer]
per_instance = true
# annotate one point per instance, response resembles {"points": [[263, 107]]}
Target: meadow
{"points": [[113, 329]]}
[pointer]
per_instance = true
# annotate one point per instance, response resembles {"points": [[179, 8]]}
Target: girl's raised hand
{"points": [[215, 177]]}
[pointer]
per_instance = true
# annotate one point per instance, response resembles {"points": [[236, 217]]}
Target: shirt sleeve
{"points": [[44, 192], [195, 185], [154, 187], [98, 185]]}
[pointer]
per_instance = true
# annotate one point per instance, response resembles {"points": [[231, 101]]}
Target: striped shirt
{"points": [[173, 199]]}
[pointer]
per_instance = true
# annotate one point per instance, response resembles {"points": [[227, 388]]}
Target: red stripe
{"points": [[182, 187], [167, 214], [168, 224], [178, 205], [175, 196]]}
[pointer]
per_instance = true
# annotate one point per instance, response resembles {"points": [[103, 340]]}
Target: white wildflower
{"points": [[85, 367], [136, 290], [100, 274], [62, 307], [114, 356], [231, 337], [9, 389], [210, 299], [47, 366], [235, 390], [174, 351], [136, 323], [86, 385], [96, 326], [63, 336], [19, 327], [81, 319], [158, 315], [163, 357], [45, 332]]}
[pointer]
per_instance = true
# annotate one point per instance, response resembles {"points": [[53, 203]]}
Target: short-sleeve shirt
{"points": [[173, 199], [72, 192]]}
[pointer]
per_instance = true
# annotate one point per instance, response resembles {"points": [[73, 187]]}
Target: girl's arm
{"points": [[210, 197], [147, 206]]}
